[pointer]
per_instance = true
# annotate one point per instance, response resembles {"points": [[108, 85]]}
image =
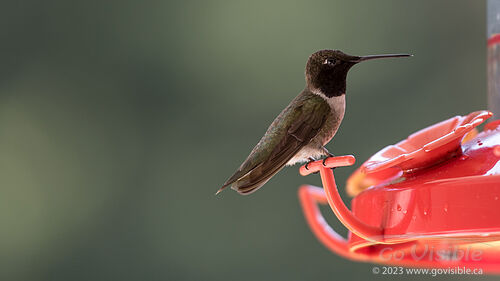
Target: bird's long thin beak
{"points": [[372, 57]]}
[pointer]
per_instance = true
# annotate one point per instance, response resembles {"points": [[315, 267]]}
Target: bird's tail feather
{"points": [[252, 181]]}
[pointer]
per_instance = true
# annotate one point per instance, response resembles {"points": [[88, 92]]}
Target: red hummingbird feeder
{"points": [[431, 200]]}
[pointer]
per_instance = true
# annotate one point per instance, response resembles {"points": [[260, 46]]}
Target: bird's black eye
{"points": [[330, 61]]}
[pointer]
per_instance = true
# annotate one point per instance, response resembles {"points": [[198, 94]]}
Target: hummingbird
{"points": [[301, 131]]}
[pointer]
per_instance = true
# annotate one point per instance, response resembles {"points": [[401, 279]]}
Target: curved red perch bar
{"points": [[338, 207]]}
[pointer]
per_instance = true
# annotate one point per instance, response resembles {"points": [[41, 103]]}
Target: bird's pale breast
{"points": [[315, 148], [332, 124]]}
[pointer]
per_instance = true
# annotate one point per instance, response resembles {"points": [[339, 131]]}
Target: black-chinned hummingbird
{"points": [[306, 125]]}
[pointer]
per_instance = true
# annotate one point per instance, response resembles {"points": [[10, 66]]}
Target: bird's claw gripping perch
{"points": [[310, 161], [329, 156]]}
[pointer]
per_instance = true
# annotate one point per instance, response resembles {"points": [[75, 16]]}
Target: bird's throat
{"points": [[333, 87]]}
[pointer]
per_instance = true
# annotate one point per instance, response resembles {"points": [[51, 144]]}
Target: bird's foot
{"points": [[328, 155], [324, 159], [310, 161]]}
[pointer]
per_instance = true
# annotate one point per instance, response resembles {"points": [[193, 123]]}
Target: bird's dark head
{"points": [[326, 70]]}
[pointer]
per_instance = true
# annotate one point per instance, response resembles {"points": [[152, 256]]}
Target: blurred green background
{"points": [[119, 120]]}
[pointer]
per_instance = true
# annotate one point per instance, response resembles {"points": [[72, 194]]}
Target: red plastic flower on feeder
{"points": [[426, 147], [430, 197]]}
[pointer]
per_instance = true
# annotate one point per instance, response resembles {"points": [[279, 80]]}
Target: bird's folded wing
{"points": [[307, 120]]}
